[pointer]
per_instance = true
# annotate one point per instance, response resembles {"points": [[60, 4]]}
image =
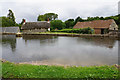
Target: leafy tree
{"points": [[11, 16], [50, 16], [57, 24], [45, 17], [6, 22], [41, 18], [69, 23]]}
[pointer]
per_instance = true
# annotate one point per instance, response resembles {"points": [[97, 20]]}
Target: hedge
{"points": [[80, 31]]}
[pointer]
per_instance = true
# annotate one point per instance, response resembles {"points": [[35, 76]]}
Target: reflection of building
{"points": [[100, 26], [9, 30], [105, 42], [40, 26], [41, 38], [9, 40]]}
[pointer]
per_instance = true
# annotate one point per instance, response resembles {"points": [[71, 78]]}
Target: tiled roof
{"points": [[36, 25], [94, 24]]}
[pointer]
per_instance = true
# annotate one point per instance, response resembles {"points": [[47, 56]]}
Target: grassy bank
{"points": [[11, 70]]}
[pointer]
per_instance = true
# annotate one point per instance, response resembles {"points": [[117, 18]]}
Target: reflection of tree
{"points": [[9, 39], [106, 42], [42, 38]]}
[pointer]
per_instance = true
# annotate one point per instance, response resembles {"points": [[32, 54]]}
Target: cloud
{"points": [[30, 9]]}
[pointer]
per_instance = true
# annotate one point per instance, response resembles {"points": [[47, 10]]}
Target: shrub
{"points": [[80, 31]]}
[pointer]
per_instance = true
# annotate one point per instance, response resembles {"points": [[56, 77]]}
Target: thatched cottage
{"points": [[40, 26], [100, 26]]}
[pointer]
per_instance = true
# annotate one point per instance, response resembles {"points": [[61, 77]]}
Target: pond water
{"points": [[60, 50]]}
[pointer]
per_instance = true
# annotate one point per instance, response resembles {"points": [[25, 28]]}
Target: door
{"points": [[102, 31]]}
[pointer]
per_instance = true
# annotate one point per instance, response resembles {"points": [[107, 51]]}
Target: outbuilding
{"points": [[12, 30], [99, 26]]}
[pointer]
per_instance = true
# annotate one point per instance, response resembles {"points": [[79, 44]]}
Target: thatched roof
{"points": [[9, 29], [36, 25], [94, 24]]}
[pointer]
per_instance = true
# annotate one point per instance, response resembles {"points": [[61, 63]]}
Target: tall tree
{"points": [[45, 17], [11, 16], [50, 16]]}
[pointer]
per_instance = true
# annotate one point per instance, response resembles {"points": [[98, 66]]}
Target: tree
{"points": [[6, 22], [50, 16], [69, 23], [57, 24], [11, 16], [78, 19], [41, 18], [45, 17]]}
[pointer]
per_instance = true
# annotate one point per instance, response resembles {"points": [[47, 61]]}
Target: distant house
{"points": [[9, 29], [100, 26], [40, 26]]}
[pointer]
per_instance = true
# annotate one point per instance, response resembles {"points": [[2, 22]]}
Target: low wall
{"points": [[72, 35], [78, 35]]}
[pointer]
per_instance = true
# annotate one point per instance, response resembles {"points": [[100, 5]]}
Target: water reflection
{"points": [[62, 50], [9, 40], [97, 41], [44, 39]]}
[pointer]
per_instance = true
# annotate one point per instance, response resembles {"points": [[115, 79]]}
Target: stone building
{"points": [[99, 26], [40, 26], [10, 30]]}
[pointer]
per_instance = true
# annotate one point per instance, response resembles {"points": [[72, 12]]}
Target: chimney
{"points": [[48, 21], [23, 21]]}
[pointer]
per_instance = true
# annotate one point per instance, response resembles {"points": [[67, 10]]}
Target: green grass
{"points": [[11, 70], [56, 33]]}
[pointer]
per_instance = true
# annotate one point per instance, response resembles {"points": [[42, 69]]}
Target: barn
{"points": [[40, 26], [99, 26]]}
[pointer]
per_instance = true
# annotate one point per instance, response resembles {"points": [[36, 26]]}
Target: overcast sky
{"points": [[30, 9]]}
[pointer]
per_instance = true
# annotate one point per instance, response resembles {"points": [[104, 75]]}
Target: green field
{"points": [[11, 70]]}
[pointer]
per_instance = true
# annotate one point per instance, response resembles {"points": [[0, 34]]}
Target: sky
{"points": [[66, 9]]}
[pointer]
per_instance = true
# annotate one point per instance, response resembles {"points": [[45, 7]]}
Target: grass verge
{"points": [[11, 70]]}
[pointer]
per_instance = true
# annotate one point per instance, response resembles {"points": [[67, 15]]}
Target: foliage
{"points": [[9, 20], [45, 17], [80, 31], [57, 24], [69, 23], [11, 70], [11, 16], [78, 19], [6, 22], [41, 18]]}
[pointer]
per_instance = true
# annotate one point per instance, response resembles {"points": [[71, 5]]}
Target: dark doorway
{"points": [[102, 31]]}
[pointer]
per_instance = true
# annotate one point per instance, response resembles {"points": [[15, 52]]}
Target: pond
{"points": [[42, 49]]}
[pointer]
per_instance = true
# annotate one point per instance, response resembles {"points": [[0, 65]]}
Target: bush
{"points": [[80, 31]]}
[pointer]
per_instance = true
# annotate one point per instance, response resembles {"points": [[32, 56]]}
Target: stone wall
{"points": [[113, 26], [34, 30]]}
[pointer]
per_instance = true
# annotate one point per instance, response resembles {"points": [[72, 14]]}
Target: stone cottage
{"points": [[40, 26], [100, 26]]}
